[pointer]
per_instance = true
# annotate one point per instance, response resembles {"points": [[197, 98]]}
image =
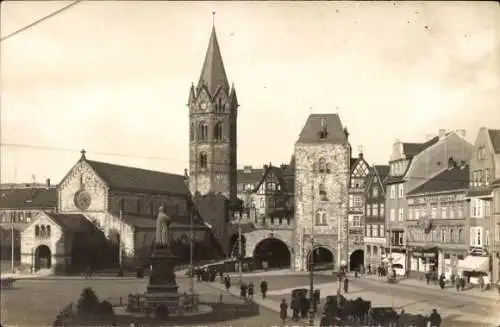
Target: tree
{"points": [[88, 303]]}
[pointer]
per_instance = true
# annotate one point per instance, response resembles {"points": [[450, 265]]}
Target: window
{"points": [[476, 236], [370, 231], [322, 192], [375, 210], [401, 191], [417, 213], [401, 215], [410, 213], [460, 235], [203, 160], [47, 230], [218, 134], [382, 232], [37, 230], [191, 132], [433, 212], [460, 210], [203, 132], [375, 192], [487, 237], [382, 209], [356, 221], [320, 217], [487, 207], [481, 153], [393, 191], [393, 214], [451, 212], [443, 212], [444, 236], [452, 236], [322, 165], [262, 203], [370, 211], [351, 201]]}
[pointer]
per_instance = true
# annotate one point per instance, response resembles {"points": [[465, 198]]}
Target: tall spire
{"points": [[213, 73]]}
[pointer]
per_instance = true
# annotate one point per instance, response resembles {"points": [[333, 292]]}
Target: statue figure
{"points": [[162, 228]]}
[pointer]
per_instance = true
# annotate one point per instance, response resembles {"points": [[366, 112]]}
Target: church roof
{"points": [[28, 198], [213, 74], [72, 222], [328, 122], [123, 178]]}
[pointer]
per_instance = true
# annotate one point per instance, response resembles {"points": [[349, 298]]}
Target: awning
{"points": [[474, 263], [398, 258]]}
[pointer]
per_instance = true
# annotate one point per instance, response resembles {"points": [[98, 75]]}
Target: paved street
{"points": [[456, 309]]}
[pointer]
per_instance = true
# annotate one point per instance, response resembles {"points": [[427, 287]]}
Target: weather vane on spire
{"points": [[213, 18]]}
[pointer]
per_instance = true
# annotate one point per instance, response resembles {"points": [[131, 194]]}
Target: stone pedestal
{"points": [[162, 288]]}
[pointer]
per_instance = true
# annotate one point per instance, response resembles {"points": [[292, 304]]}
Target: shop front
{"points": [[476, 266], [424, 259]]}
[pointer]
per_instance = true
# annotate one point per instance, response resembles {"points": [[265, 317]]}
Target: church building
{"points": [[107, 212]]}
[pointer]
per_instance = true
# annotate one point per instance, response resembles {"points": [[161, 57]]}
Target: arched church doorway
{"points": [[234, 246], [357, 259], [273, 252], [322, 259], [43, 257]]}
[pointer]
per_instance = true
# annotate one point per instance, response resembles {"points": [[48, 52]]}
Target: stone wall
{"points": [[147, 204], [308, 201], [56, 242]]}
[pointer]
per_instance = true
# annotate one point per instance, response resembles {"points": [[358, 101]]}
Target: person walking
{"points": [[263, 288], [346, 285], [435, 319], [250, 291], [283, 310]]}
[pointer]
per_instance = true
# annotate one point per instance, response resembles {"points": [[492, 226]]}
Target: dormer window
{"points": [[481, 153]]}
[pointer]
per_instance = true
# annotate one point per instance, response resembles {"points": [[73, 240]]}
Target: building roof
{"points": [[72, 222], [495, 139], [250, 175], [454, 179], [382, 171], [123, 178], [28, 198], [412, 149], [314, 125], [213, 74], [281, 173]]}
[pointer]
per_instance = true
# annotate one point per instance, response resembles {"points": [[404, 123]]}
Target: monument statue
{"points": [[162, 288], [162, 228]]}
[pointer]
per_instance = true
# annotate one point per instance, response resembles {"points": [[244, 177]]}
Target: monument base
{"points": [[162, 289]]}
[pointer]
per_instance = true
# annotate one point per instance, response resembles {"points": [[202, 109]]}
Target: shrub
{"points": [[162, 312], [88, 302], [106, 308]]}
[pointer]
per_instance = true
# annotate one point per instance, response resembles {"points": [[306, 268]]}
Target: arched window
{"points": [[322, 192], [191, 132], [322, 165], [460, 235], [218, 135], [203, 160], [203, 132], [369, 250], [37, 230], [48, 231], [320, 217], [444, 236], [452, 236], [42, 231]]}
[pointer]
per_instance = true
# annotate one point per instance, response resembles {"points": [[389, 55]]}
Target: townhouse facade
{"points": [[484, 196], [374, 236], [437, 226]]}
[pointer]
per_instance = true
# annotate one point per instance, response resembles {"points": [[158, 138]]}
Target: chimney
{"points": [[284, 166], [48, 182], [441, 133], [346, 133], [247, 169]]}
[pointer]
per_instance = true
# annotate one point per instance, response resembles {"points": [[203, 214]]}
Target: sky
{"points": [[114, 77]]}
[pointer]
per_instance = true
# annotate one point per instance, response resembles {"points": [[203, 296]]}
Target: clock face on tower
{"points": [[203, 106], [82, 200]]}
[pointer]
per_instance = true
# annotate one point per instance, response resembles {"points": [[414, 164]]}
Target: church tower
{"points": [[213, 110]]}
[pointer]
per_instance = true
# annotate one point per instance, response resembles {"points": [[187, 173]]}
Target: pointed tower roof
{"points": [[213, 73]]}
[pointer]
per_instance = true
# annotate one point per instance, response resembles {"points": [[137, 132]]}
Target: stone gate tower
{"points": [[213, 110]]}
